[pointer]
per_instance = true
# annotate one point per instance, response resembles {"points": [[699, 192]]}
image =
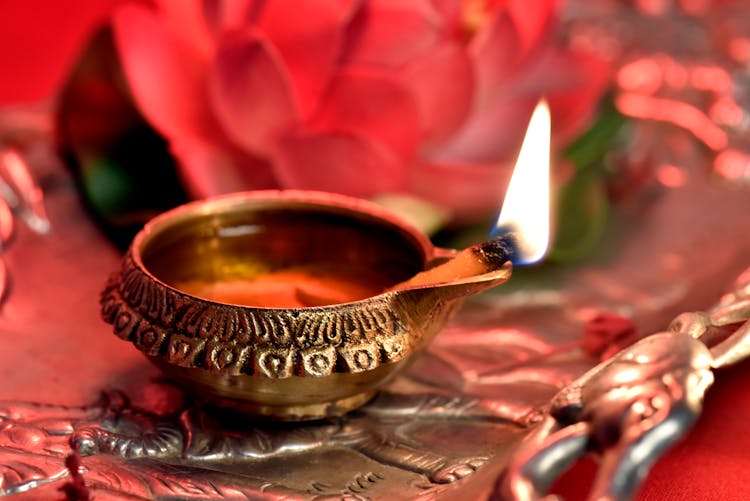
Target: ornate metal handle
{"points": [[631, 408]]}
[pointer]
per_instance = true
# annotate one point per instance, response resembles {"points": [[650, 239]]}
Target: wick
{"points": [[476, 260], [502, 247]]}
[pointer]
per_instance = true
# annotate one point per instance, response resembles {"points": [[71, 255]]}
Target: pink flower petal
{"points": [[469, 191], [492, 133], [211, 168], [309, 39], [373, 104], [574, 99], [223, 15], [250, 91], [391, 32], [532, 21], [185, 19], [506, 41], [167, 77], [442, 102], [452, 13], [572, 83], [495, 51], [339, 162]]}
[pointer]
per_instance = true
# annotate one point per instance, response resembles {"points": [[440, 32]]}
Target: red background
{"points": [[39, 40]]}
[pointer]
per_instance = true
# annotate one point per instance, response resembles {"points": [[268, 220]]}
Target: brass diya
{"points": [[230, 296]]}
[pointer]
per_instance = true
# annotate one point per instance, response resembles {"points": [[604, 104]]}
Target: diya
{"points": [[289, 304], [298, 305]]}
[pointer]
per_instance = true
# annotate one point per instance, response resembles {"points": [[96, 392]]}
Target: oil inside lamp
{"points": [[295, 287]]}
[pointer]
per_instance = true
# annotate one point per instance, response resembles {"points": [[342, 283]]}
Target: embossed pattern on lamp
{"points": [[282, 303]]}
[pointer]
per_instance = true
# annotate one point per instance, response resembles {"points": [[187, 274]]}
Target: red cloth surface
{"points": [[711, 463]]}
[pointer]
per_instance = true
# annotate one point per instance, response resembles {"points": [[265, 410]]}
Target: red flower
{"points": [[360, 97]]}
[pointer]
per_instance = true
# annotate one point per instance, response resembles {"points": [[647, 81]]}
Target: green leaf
{"points": [[583, 204], [583, 210], [108, 187]]}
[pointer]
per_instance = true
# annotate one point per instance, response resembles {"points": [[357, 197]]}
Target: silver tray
{"points": [[448, 429]]}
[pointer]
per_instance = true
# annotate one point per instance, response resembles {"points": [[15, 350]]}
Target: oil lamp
{"points": [[295, 305]]}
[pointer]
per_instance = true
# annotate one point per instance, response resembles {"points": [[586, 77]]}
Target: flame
{"points": [[526, 208]]}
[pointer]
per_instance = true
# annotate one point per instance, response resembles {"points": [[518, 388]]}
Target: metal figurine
{"points": [[632, 407], [629, 409]]}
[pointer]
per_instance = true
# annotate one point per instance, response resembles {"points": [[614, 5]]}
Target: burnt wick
{"points": [[497, 251], [476, 260]]}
